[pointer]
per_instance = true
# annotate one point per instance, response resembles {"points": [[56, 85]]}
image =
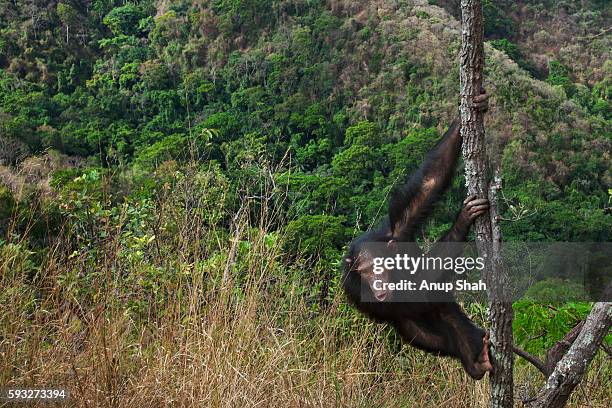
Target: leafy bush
{"points": [[559, 74], [508, 47], [124, 20], [312, 235], [537, 327]]}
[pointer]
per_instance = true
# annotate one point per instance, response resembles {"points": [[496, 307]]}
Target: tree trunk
{"points": [[500, 313], [486, 229], [571, 368]]}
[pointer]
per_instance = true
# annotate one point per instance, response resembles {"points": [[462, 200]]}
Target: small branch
{"points": [[557, 351], [591, 37], [553, 355], [537, 363]]}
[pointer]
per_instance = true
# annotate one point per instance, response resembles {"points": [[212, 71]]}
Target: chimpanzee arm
{"points": [[412, 202], [472, 208]]}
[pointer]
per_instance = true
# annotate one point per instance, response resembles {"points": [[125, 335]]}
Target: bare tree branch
{"points": [[571, 368], [555, 353], [537, 363], [500, 311]]}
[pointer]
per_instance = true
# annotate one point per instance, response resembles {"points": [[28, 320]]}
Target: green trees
{"points": [[508, 47], [559, 74], [160, 76], [334, 108], [243, 16], [124, 20], [203, 131], [317, 235]]}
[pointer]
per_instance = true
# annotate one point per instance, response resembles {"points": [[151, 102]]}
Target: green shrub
{"points": [[124, 20], [312, 235]]}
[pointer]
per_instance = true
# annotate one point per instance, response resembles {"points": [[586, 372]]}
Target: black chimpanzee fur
{"points": [[437, 327]]}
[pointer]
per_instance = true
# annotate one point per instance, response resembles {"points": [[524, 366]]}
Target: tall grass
{"points": [[176, 311]]}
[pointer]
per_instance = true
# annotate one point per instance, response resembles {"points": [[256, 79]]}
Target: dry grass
{"points": [[253, 340]]}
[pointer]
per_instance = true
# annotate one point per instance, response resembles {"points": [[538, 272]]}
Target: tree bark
{"points": [[500, 312], [571, 368], [556, 352], [486, 229]]}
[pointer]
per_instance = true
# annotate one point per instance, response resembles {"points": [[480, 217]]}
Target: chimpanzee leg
{"points": [[450, 333], [425, 336], [470, 341]]}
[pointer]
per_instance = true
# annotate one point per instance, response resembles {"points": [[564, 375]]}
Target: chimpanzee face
{"points": [[376, 281]]}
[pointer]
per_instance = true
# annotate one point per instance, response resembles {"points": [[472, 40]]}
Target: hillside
{"points": [[577, 34], [294, 83], [179, 179]]}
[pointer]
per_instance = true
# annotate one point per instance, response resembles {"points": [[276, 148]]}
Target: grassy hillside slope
{"points": [[178, 181]]}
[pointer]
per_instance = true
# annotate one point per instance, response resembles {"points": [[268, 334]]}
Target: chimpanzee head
{"points": [[364, 265]]}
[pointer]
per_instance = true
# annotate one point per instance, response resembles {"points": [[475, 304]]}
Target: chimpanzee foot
{"points": [[477, 369], [483, 360], [483, 364]]}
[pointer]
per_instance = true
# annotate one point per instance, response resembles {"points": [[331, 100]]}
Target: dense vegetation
{"points": [[147, 146]]}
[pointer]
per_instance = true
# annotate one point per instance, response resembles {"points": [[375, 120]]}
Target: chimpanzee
{"points": [[440, 326]]}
